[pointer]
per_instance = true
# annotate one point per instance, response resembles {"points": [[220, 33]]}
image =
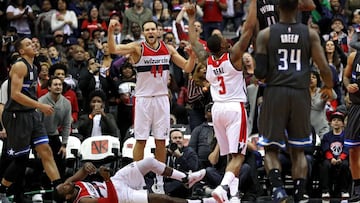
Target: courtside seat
{"points": [[101, 150]]}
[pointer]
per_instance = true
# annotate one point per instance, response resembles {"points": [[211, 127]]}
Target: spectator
{"points": [[181, 158], [43, 77], [64, 20], [212, 18], [335, 167], [60, 70], [202, 137], [59, 42], [94, 22], [117, 31], [160, 14], [93, 80], [135, 33], [198, 95], [43, 22], [78, 64], [176, 109], [180, 31], [96, 122], [55, 56], [318, 117], [20, 15], [138, 13], [105, 9], [59, 123], [337, 61]]}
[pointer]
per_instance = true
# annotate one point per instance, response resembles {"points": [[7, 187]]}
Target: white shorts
{"points": [[129, 184], [230, 126], [152, 116]]}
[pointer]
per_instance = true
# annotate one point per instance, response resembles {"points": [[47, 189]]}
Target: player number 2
{"points": [[222, 85], [295, 58], [155, 70]]}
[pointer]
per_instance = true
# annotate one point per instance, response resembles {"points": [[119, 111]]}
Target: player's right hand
{"points": [[104, 172], [46, 109], [113, 23], [352, 88]]}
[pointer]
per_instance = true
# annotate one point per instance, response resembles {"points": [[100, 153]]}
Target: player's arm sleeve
{"points": [[261, 65], [111, 192]]}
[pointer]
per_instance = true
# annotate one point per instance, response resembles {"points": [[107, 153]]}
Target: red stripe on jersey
{"points": [[216, 63], [243, 124], [161, 50], [133, 109]]}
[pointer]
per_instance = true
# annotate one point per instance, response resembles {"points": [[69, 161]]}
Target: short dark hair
{"points": [[57, 66], [98, 93], [149, 21], [51, 79], [18, 44], [214, 43]]}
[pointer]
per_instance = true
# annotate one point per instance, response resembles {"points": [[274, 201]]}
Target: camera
{"points": [[173, 146], [7, 39]]}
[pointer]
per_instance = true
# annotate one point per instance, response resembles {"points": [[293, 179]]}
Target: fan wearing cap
{"points": [[337, 33], [336, 163]]}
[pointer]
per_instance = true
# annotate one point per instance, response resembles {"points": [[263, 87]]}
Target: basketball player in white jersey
{"points": [[228, 91], [152, 109], [125, 186]]}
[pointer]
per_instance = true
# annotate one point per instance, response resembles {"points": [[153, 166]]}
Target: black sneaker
{"points": [[302, 199]]}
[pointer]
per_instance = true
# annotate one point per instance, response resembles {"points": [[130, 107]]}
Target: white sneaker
{"points": [[158, 188], [325, 195], [37, 198], [345, 195], [234, 199], [220, 194], [195, 177], [209, 200]]}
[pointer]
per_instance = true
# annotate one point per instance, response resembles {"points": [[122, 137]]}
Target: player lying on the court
{"points": [[126, 186]]}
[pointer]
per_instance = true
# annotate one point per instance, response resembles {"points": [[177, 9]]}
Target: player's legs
{"points": [[142, 124], [160, 126], [138, 152], [48, 161]]}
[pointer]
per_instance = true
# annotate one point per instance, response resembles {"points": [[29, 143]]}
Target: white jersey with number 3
{"points": [[227, 83]]}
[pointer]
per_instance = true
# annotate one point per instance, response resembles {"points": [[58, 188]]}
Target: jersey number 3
{"points": [[295, 58], [222, 85]]}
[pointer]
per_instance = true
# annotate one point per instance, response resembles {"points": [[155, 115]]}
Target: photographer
{"points": [[182, 158]]}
